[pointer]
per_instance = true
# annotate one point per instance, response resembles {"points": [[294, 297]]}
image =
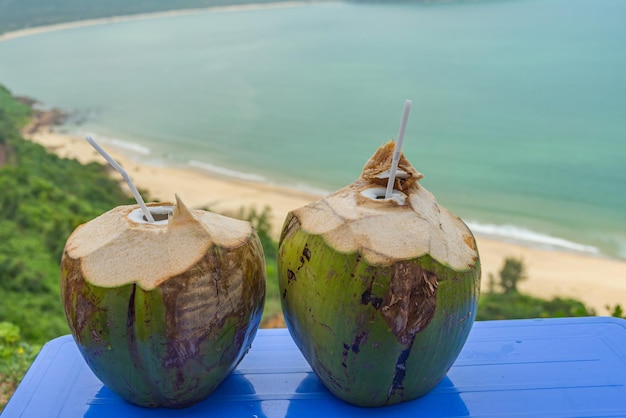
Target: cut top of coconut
{"points": [[408, 225], [120, 247], [377, 169]]}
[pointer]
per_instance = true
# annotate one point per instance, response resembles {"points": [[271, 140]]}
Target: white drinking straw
{"points": [[125, 175], [397, 150]]}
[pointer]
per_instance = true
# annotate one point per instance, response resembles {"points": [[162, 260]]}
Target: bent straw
{"points": [[397, 149], [125, 175]]}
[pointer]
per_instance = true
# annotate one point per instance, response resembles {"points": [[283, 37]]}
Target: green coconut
{"points": [[163, 312], [378, 294]]}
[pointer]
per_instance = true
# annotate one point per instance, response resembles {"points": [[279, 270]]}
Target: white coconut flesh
{"points": [[121, 247], [406, 226]]}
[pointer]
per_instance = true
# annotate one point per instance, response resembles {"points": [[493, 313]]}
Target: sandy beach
{"points": [[142, 16], [594, 280]]}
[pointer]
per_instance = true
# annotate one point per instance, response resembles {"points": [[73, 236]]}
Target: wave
{"points": [[533, 238], [621, 249], [227, 171], [308, 189], [122, 145]]}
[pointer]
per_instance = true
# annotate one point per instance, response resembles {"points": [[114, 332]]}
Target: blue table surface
{"points": [[574, 367]]}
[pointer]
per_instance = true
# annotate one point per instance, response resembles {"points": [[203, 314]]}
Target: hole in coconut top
{"points": [[378, 193], [158, 216], [161, 215]]}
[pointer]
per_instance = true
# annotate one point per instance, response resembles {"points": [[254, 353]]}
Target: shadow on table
{"points": [[239, 396], [443, 401], [107, 404]]}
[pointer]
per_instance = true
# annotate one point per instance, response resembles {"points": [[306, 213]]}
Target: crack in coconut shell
{"points": [[150, 254], [410, 302]]}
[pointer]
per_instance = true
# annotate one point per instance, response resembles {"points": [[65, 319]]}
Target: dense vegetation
{"points": [[43, 199], [22, 14], [16, 355]]}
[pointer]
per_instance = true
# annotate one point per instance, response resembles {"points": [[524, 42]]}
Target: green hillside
{"points": [[42, 199]]}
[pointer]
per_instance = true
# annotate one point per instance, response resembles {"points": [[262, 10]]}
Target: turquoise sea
{"points": [[518, 118]]}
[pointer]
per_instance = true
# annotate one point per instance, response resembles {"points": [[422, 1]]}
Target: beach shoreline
{"points": [[36, 30], [595, 280]]}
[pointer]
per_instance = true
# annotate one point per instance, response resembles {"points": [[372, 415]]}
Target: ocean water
{"points": [[518, 118]]}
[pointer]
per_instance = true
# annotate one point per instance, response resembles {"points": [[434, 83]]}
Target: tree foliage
{"points": [[260, 220], [513, 271], [511, 274], [616, 311], [16, 356], [13, 114]]}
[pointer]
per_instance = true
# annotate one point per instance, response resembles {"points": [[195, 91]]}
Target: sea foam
{"points": [[527, 236], [227, 171], [122, 144], [307, 188]]}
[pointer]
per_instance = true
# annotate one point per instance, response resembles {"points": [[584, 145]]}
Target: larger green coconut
{"points": [[163, 312], [379, 294]]}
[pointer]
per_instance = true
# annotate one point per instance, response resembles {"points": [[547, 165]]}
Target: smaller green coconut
{"points": [[378, 294], [163, 312]]}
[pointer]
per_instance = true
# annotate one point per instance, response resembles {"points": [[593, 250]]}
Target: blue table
{"points": [[552, 367]]}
